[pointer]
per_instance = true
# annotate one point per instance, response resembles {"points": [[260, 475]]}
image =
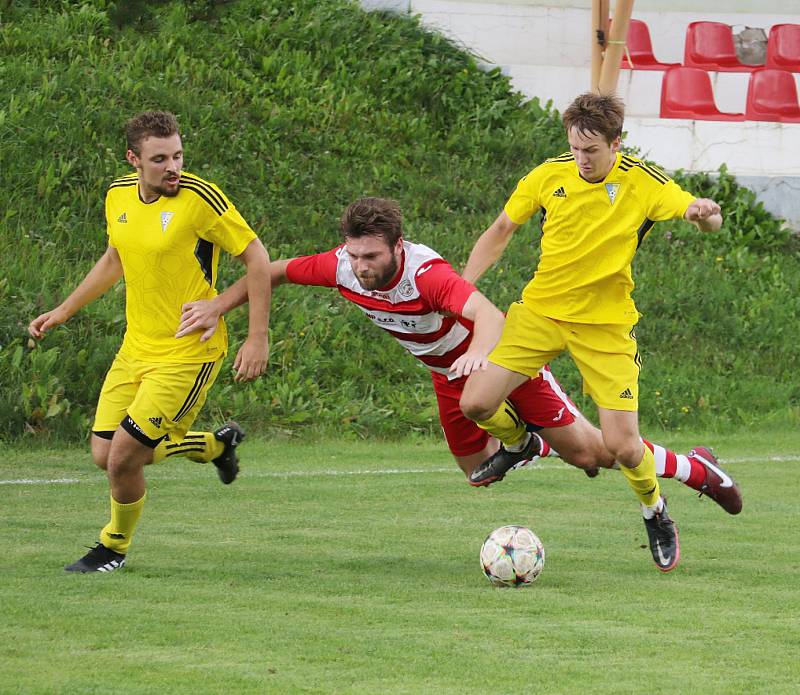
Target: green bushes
{"points": [[295, 109]]}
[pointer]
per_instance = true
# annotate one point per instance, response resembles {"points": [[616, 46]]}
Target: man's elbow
{"points": [[255, 255]]}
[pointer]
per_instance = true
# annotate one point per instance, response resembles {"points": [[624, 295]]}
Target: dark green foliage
{"points": [[295, 109]]}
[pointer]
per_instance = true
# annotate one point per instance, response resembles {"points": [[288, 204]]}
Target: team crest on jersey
{"points": [[404, 289], [611, 189], [123, 218], [166, 217]]}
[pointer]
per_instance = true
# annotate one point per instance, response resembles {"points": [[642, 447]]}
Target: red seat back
{"points": [[640, 49], [687, 93], [772, 96], [709, 45], [783, 47]]}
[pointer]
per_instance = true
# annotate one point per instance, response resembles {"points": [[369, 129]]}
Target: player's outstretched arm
{"points": [[705, 213], [105, 273], [488, 325], [203, 314], [489, 247]]}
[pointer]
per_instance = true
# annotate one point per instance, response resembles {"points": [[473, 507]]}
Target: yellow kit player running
{"points": [[165, 231], [597, 206]]}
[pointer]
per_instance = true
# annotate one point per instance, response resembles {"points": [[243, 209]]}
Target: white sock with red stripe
{"points": [[672, 465]]}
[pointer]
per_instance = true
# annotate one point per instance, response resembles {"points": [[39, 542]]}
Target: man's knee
{"points": [[580, 444], [126, 455], [599, 457], [582, 453], [122, 468], [476, 408], [627, 452], [100, 460], [582, 458], [100, 447]]}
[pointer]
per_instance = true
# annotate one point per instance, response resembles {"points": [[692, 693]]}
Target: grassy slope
{"points": [[311, 575], [295, 110]]}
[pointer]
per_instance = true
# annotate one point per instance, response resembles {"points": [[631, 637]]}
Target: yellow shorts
{"points": [[606, 354], [152, 400]]}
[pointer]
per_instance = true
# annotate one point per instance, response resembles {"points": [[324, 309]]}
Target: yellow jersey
{"points": [[170, 250], [590, 232]]}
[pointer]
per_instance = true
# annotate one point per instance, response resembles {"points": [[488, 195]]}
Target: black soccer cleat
{"points": [[227, 462], [98, 559], [502, 461], [663, 537], [718, 485]]}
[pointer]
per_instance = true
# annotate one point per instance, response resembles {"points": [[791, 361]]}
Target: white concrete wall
{"points": [[545, 47], [748, 148]]}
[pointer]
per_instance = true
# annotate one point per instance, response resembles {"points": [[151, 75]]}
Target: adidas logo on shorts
{"points": [[626, 394]]}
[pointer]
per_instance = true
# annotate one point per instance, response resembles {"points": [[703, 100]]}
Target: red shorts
{"points": [[540, 402]]}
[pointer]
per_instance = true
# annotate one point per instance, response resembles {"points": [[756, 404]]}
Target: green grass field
{"points": [[342, 567]]}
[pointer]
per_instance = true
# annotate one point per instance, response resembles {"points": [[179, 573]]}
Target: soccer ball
{"points": [[512, 556]]}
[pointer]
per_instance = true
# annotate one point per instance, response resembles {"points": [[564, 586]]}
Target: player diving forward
{"points": [[165, 231], [413, 294]]}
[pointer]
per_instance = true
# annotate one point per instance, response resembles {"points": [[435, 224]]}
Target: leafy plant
{"points": [[295, 109]]}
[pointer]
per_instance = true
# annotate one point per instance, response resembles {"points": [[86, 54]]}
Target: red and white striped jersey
{"points": [[421, 307]]}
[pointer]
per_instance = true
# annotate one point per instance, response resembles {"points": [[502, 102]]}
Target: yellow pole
{"points": [[599, 38], [615, 47]]}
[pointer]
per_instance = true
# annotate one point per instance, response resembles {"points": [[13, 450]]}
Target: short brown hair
{"points": [[373, 217], [601, 114], [158, 124]]}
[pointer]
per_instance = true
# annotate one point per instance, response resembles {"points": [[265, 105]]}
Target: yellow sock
{"points": [[118, 532], [505, 424], [642, 479], [197, 446]]}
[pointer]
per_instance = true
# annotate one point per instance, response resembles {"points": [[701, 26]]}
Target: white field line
{"points": [[277, 474], [32, 481], [363, 472]]}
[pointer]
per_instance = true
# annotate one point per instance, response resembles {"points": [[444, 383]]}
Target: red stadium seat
{"points": [[687, 93], [783, 47], [772, 96], [640, 49], [709, 45]]}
